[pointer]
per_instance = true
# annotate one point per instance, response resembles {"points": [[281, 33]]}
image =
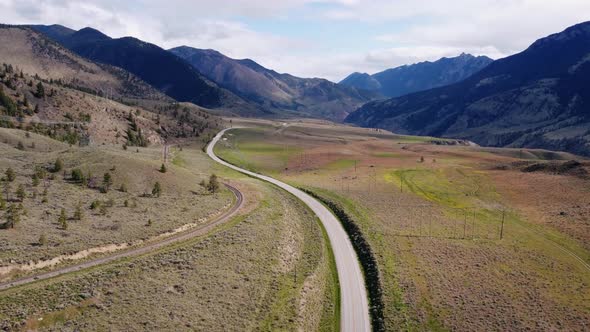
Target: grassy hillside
{"points": [[79, 116], [37, 55], [124, 214], [269, 268]]}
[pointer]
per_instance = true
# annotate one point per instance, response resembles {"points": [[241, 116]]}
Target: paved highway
{"points": [[354, 306]]}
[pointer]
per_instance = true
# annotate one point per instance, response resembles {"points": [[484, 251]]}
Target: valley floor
{"points": [[466, 238]]}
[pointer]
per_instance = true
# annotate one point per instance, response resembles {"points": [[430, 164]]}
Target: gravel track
{"points": [[151, 246]]}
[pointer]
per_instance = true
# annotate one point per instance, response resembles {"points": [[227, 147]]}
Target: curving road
{"points": [[354, 306], [198, 231]]}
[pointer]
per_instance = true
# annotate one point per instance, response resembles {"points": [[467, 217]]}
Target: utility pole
{"points": [[375, 177], [465, 224], [420, 227], [473, 222], [502, 227]]}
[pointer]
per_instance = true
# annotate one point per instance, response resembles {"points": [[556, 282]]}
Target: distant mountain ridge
{"points": [[270, 90], [539, 98], [421, 76], [158, 67]]}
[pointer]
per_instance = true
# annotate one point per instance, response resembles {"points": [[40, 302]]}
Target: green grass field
{"points": [[252, 149]]}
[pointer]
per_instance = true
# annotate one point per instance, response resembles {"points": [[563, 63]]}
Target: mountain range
{"points": [[161, 69], [210, 79], [421, 76], [273, 91], [539, 98]]}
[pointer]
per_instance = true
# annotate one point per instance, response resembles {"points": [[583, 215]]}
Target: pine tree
{"points": [[42, 240], [163, 169], [107, 182], [10, 106], [157, 190], [7, 190], [40, 90], [58, 165], [12, 216], [213, 185], [78, 213], [77, 175], [20, 192], [10, 175], [62, 219], [2, 202]]}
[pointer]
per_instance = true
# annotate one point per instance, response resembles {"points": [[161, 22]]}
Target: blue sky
{"points": [[317, 38]]}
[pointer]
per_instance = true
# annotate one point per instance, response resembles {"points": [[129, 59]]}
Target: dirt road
{"points": [[136, 251]]}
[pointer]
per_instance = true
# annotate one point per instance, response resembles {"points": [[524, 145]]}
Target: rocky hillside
{"points": [[47, 89], [539, 98], [274, 92], [421, 76], [34, 54]]}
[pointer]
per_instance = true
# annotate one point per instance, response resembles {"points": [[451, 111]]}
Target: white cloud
{"points": [[507, 25], [409, 30]]}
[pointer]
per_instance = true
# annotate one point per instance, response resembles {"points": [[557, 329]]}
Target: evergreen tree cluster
{"points": [[134, 135]]}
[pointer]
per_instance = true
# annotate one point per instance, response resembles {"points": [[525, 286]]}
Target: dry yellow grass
{"points": [[269, 269], [182, 202]]}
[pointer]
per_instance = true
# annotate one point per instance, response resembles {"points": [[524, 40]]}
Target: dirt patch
{"points": [[561, 202]]}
